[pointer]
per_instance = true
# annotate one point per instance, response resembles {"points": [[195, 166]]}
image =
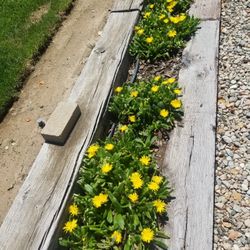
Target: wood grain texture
{"points": [[190, 156], [206, 9], [36, 213], [127, 5]]}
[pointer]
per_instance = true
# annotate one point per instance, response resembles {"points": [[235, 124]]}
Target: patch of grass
{"points": [[26, 26]]}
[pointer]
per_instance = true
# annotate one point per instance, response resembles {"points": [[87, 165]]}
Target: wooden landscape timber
{"points": [[189, 162], [37, 212]]}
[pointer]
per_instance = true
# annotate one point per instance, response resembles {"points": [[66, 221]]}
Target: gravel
{"points": [[232, 189]]}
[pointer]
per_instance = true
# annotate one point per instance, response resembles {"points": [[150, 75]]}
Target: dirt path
{"points": [[51, 81]]}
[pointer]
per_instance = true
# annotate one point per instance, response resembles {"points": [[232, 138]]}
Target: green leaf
{"points": [[89, 189], [160, 244], [119, 221], [110, 216], [114, 201]]}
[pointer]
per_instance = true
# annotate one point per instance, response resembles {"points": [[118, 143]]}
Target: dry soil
{"points": [[51, 81]]}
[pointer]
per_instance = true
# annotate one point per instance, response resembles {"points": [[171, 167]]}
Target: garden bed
{"points": [[60, 169]]}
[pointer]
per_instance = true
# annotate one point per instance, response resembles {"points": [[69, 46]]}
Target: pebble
{"points": [[232, 193]]}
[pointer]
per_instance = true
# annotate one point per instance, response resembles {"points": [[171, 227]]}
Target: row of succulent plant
{"points": [[122, 196]]}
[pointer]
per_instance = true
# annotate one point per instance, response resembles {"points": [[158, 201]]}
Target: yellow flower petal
{"points": [[155, 88], [171, 33], [123, 128], [134, 94], [164, 113], [176, 103], [109, 146], [147, 235], [70, 226], [133, 197], [73, 210], [145, 160], [117, 236], [132, 118], [159, 205], [107, 167], [118, 89], [157, 179], [153, 186], [149, 39]]}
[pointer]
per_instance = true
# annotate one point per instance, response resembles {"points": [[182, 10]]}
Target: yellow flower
{"points": [[177, 91], [162, 16], [155, 88], [164, 113], [140, 31], [109, 146], [117, 237], [165, 20], [157, 78], [103, 197], [170, 9], [172, 4], [99, 200], [134, 94], [160, 206], [171, 33], [145, 160], [151, 6], [137, 28], [106, 168], [174, 19], [132, 118], [153, 186], [118, 89], [176, 103], [147, 14], [136, 180], [133, 197], [123, 128], [170, 80], [157, 179], [168, 1], [92, 150], [70, 226], [182, 17], [73, 210], [147, 235], [149, 39]]}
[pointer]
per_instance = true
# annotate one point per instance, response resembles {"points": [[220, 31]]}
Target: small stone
{"points": [[247, 223], [227, 139], [236, 208], [233, 235], [236, 196], [227, 224], [219, 205]]}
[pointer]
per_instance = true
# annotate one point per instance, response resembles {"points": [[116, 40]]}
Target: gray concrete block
{"points": [[61, 123]]}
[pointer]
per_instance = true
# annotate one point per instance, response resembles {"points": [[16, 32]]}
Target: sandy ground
{"points": [[51, 82]]}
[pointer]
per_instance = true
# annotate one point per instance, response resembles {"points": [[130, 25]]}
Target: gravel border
{"points": [[232, 193]]}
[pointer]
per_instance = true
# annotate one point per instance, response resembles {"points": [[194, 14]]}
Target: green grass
{"points": [[22, 40]]}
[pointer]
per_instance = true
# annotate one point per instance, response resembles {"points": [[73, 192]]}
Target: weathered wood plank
{"points": [[190, 156], [206, 9], [34, 217], [127, 5]]}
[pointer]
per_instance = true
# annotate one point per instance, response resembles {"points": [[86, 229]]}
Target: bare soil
{"points": [[51, 81]]}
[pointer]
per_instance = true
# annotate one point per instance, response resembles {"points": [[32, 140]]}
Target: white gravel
{"points": [[232, 190]]}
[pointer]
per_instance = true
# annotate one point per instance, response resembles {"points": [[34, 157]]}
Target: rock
{"points": [[233, 235], [236, 196], [247, 223], [227, 139]]}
